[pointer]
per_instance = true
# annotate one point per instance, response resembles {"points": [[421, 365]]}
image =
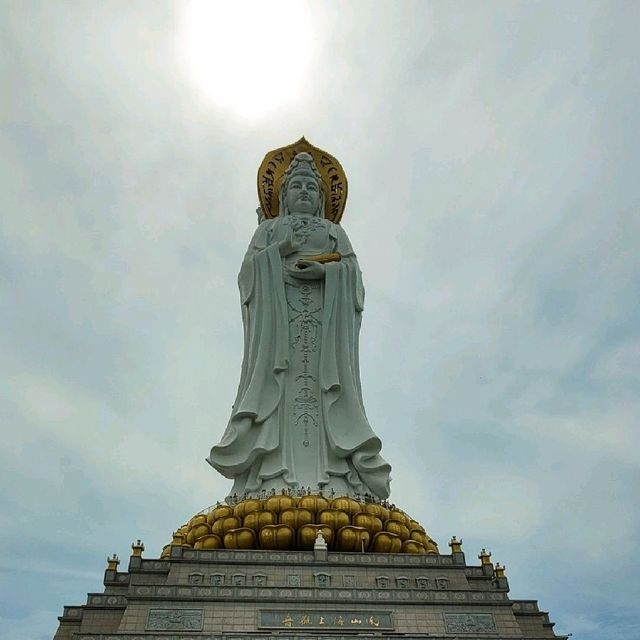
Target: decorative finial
{"points": [[500, 570], [178, 539], [320, 542], [113, 562], [138, 548], [456, 545], [485, 557]]}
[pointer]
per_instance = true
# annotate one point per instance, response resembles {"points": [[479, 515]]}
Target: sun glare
{"points": [[248, 56]]}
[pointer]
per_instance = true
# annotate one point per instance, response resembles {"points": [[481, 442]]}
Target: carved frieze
{"points": [[175, 620], [469, 623]]}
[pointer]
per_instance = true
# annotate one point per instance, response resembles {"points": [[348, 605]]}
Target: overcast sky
{"points": [[492, 156]]}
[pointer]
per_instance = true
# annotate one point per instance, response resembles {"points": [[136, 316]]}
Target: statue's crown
{"points": [[302, 163]]}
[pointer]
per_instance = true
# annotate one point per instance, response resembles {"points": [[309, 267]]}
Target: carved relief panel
{"points": [[442, 582], [348, 581], [293, 581], [322, 580]]}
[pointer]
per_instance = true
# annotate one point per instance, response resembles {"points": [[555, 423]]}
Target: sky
{"points": [[491, 150]]}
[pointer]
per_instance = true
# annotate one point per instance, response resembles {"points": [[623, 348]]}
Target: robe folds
{"points": [[264, 445]]}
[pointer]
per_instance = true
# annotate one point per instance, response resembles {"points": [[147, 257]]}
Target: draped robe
{"points": [[298, 419]]}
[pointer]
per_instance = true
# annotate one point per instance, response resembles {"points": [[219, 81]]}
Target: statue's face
{"points": [[303, 194]]}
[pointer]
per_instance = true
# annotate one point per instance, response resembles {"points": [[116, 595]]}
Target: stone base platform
{"points": [[262, 595]]}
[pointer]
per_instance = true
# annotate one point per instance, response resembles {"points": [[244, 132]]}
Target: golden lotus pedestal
{"points": [[289, 523]]}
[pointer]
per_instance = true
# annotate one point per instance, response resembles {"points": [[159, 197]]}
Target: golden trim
{"points": [[323, 258]]}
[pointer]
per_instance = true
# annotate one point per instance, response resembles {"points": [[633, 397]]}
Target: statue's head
{"points": [[301, 191]]}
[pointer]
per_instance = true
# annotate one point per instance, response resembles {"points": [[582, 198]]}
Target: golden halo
{"points": [[274, 165]]}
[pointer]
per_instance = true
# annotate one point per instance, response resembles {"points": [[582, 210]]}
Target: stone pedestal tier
{"points": [[226, 594]]}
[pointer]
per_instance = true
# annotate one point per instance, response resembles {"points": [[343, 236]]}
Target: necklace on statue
{"points": [[304, 226]]}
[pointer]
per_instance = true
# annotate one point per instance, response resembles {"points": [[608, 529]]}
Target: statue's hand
{"points": [[307, 270], [288, 245]]}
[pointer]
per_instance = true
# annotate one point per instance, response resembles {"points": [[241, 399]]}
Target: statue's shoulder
{"points": [[341, 238], [336, 230], [266, 228], [262, 235], [269, 223]]}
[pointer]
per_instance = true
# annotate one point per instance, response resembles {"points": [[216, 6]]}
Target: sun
{"points": [[248, 56]]}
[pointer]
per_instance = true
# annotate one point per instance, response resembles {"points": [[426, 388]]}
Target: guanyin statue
{"points": [[298, 421]]}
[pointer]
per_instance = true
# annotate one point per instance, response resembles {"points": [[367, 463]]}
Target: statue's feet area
{"points": [[283, 522]]}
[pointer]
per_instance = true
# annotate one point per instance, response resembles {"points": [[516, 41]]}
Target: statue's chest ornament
{"points": [[304, 226]]}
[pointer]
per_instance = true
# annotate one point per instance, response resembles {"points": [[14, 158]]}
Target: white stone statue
{"points": [[298, 421]]}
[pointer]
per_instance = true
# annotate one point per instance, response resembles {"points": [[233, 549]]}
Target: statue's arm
{"points": [[350, 260], [246, 277]]}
